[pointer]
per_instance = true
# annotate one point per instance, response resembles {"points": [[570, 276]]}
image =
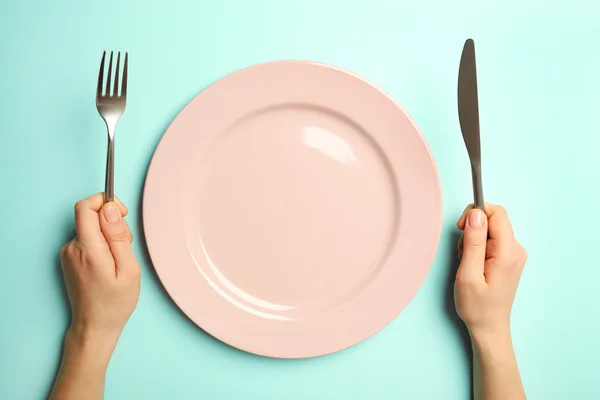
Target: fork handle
{"points": [[109, 185]]}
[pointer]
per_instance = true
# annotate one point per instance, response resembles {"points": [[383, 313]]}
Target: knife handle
{"points": [[477, 186]]}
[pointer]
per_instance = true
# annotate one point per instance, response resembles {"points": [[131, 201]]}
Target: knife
{"points": [[468, 115]]}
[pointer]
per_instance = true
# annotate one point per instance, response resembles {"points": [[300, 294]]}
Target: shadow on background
{"points": [[68, 234], [450, 305]]}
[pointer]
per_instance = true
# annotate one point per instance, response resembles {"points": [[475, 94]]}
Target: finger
{"points": [[86, 217], [117, 236], [491, 248], [500, 227], [96, 202], [63, 253], [86, 220], [129, 232], [461, 221], [474, 245]]}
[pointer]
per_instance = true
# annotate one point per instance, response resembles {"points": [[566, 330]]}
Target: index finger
{"points": [[87, 224], [499, 226]]}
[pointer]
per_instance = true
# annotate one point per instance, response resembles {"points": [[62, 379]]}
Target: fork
{"points": [[111, 106]]}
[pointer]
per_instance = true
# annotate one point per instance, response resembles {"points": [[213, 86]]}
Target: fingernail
{"points": [[476, 219], [111, 213]]}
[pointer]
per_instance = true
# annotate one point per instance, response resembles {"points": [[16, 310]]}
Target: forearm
{"points": [[495, 371], [83, 369]]}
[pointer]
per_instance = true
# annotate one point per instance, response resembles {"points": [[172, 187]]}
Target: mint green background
{"points": [[539, 75]]}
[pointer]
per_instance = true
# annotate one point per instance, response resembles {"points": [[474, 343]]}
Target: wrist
{"points": [[90, 347], [85, 361], [491, 342]]}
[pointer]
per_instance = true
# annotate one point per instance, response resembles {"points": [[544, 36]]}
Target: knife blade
{"points": [[468, 115]]}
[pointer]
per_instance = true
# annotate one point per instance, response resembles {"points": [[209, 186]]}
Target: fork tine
{"points": [[109, 75], [124, 82], [100, 77], [116, 89]]}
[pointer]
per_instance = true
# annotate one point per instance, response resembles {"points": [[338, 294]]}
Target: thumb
{"points": [[474, 245], [117, 236]]}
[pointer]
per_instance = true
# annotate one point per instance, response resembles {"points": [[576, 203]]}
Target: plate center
{"points": [[295, 208]]}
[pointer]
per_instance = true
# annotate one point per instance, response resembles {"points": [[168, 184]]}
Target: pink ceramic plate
{"points": [[292, 209]]}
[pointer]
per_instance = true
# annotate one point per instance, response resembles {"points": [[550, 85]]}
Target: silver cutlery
{"points": [[111, 106], [468, 114]]}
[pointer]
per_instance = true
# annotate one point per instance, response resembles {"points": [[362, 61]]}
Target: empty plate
{"points": [[292, 209]]}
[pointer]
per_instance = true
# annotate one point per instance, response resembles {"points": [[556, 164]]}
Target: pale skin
{"points": [[102, 277], [486, 284]]}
